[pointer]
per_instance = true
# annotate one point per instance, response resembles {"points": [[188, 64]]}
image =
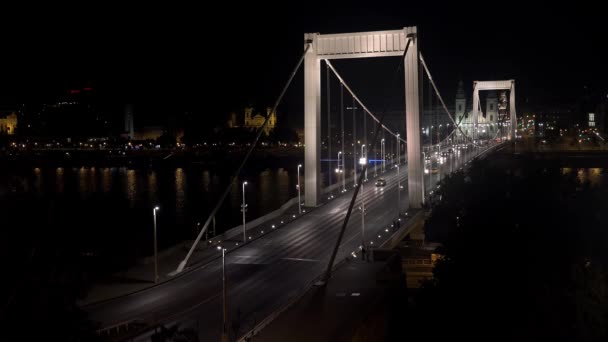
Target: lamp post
{"points": [[244, 209], [339, 170], [398, 150], [224, 296], [354, 143], [398, 190], [382, 152], [155, 246], [342, 137], [425, 171], [375, 155], [364, 159], [299, 200], [439, 138]]}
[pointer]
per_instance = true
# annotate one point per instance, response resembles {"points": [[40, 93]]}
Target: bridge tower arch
{"points": [[495, 85], [361, 45]]}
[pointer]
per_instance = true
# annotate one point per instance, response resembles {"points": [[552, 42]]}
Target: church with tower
{"points": [[435, 121], [488, 119]]}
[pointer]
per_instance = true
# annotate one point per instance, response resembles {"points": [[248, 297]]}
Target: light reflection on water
{"points": [[59, 180], [106, 180], [594, 176], [130, 185], [180, 194], [152, 189], [186, 195]]}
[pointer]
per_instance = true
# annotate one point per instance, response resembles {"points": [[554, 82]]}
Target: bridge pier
{"points": [[512, 112], [415, 181], [312, 123]]}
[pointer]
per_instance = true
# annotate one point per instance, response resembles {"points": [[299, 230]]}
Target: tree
{"points": [[525, 260]]}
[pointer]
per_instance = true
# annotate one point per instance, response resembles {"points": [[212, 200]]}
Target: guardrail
{"points": [[120, 328], [402, 232]]}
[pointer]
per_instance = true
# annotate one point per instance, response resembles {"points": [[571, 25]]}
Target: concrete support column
{"points": [[412, 121], [512, 112], [475, 110], [312, 123]]}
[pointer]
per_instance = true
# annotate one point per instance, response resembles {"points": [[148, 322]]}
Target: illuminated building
{"points": [[253, 122], [8, 124], [129, 126], [487, 121]]}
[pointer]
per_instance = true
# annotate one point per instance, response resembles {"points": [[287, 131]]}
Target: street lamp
{"points": [[244, 209], [398, 150], [354, 143], [224, 296], [363, 160], [375, 155], [382, 152], [439, 137], [425, 170], [155, 246], [398, 190], [339, 170], [299, 200]]}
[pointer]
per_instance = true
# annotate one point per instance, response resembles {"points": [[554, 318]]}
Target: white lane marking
{"points": [[301, 259]]}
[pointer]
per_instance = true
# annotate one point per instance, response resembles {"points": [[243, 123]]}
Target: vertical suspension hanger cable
{"points": [[328, 129], [365, 139], [430, 115], [354, 146], [342, 137], [375, 154]]}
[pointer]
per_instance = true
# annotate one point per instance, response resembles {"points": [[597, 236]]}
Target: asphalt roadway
{"points": [[270, 270]]}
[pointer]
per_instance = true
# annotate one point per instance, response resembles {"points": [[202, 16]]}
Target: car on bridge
{"points": [[380, 182]]}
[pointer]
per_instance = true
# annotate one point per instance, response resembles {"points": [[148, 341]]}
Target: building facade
{"points": [[254, 122], [8, 124], [487, 120]]}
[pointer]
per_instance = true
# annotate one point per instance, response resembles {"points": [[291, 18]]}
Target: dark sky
{"points": [[209, 60]]}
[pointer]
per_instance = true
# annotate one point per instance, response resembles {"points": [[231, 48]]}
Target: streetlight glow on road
{"points": [[299, 200], [156, 208], [244, 210]]}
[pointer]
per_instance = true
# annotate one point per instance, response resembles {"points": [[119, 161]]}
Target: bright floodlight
{"points": [[156, 208], [245, 183], [299, 165], [362, 161], [219, 248]]}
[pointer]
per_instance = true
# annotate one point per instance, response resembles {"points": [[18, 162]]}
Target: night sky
{"points": [[170, 59]]}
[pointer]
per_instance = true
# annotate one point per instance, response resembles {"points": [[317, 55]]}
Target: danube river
{"points": [[106, 212]]}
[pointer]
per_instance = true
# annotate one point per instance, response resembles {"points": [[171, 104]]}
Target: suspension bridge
{"points": [[274, 263]]}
